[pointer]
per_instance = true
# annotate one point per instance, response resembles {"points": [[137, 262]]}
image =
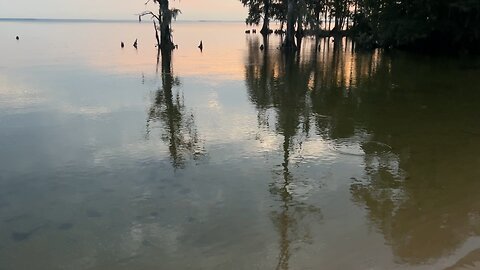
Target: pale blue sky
{"points": [[118, 9]]}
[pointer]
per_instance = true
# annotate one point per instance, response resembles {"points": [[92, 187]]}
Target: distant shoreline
{"points": [[49, 20]]}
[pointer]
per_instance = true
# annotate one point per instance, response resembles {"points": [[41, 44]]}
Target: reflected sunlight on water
{"points": [[99, 47], [233, 157]]}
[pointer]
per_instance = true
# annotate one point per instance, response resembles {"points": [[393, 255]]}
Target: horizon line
{"points": [[86, 20]]}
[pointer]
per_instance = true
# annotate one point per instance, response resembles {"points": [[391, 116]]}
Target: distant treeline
{"points": [[414, 24]]}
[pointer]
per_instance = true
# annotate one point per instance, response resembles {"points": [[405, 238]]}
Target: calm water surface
{"points": [[236, 158]]}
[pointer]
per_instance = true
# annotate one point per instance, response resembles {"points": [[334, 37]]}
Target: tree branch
{"points": [[145, 13]]}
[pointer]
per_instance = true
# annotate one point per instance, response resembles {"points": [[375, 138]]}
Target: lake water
{"points": [[235, 159]]}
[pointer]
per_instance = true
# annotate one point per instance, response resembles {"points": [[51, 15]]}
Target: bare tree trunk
{"points": [[301, 7], [341, 23], [330, 20], [348, 16], [166, 61], [299, 34], [289, 43], [266, 20], [317, 20], [355, 14], [165, 25], [335, 27], [325, 19], [156, 34]]}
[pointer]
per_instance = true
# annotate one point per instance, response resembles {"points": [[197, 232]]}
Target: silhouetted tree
{"points": [[258, 9], [162, 22], [428, 24], [289, 43]]}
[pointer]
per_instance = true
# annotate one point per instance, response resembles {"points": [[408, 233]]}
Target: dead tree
{"points": [[162, 22]]}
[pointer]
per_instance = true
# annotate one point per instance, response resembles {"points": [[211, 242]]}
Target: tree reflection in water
{"points": [[422, 193], [279, 82], [177, 122], [416, 137]]}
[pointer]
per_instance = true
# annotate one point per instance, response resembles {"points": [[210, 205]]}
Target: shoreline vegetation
{"points": [[428, 25], [425, 26]]}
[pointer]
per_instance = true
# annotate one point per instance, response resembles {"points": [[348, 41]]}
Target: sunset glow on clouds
{"points": [[118, 9]]}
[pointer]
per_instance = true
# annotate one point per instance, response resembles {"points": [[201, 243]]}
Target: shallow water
{"points": [[235, 159]]}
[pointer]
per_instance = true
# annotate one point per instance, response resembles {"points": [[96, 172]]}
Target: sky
{"points": [[118, 9]]}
